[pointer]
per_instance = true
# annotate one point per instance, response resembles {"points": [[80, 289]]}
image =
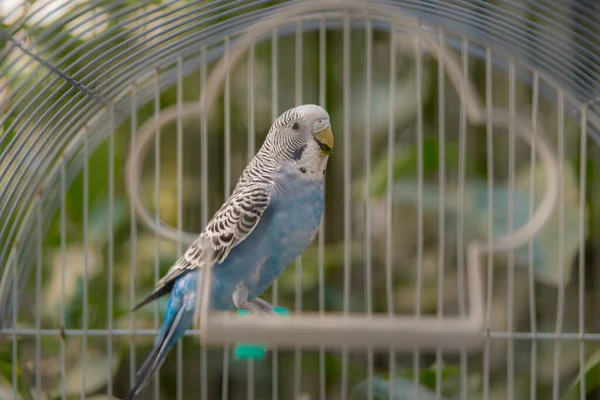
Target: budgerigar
{"points": [[270, 218]]}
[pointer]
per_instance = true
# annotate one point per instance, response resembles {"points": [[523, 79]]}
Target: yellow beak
{"points": [[324, 136]]}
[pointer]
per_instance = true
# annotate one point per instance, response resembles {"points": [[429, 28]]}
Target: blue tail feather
{"points": [[178, 318]]}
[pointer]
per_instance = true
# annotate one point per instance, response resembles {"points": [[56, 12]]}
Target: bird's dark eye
{"points": [[296, 126]]}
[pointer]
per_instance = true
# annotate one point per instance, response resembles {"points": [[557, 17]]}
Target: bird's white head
{"points": [[302, 137]]}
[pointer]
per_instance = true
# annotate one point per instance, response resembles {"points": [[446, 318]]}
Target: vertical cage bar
{"points": [[510, 350], [582, 212], [441, 73], [227, 128], [179, 206], [156, 379], [561, 219], [347, 172], [274, 113], [299, 62], [15, 308], [298, 261], [86, 249], [38, 293], [204, 211], [63, 267], [251, 106], [419, 278], [368, 222], [490, 222], [251, 146], [321, 234], [462, 142], [532, 306], [132, 255], [227, 121], [389, 203], [111, 249]]}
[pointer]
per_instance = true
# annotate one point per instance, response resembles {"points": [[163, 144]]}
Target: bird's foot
{"points": [[255, 307], [240, 300], [265, 306]]}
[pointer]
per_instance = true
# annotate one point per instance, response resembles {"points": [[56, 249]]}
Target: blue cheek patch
{"points": [[248, 351]]}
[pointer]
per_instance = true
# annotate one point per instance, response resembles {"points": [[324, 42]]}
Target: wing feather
{"points": [[235, 220]]}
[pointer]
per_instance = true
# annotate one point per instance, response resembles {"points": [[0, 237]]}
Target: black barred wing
{"points": [[234, 221]]}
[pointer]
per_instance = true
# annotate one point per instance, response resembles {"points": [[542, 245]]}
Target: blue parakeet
{"points": [[271, 217]]}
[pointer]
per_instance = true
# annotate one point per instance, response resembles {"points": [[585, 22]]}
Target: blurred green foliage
{"points": [[87, 272]]}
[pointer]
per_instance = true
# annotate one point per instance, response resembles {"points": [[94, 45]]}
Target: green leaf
{"points": [[592, 378], [428, 376]]}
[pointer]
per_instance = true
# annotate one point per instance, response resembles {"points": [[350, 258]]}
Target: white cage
{"points": [[452, 254]]}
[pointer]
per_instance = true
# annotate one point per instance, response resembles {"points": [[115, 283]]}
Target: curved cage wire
{"points": [[455, 258]]}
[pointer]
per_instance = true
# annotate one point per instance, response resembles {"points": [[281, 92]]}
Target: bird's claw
{"points": [[255, 307]]}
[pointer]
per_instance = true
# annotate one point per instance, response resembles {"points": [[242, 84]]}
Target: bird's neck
{"points": [[307, 169]]}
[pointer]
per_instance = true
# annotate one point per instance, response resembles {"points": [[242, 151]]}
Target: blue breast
{"points": [[286, 229]]}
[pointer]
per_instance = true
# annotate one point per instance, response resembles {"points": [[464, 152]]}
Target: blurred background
{"points": [[406, 190]]}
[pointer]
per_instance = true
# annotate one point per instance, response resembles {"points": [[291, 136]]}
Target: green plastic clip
{"points": [[252, 351]]}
